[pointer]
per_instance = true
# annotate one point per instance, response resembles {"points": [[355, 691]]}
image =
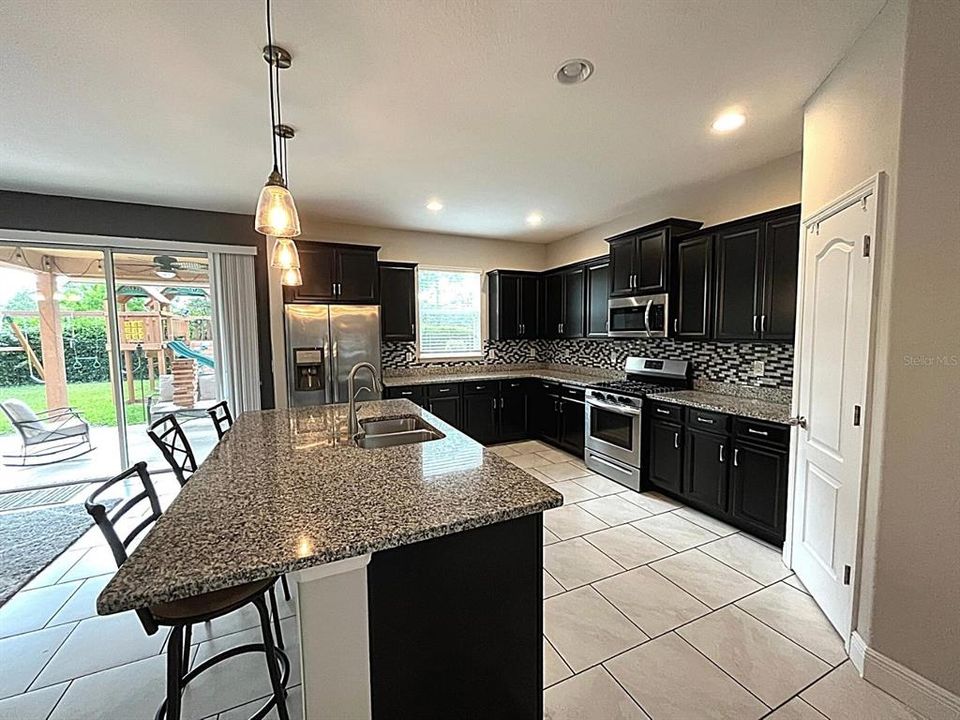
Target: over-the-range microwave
{"points": [[638, 316]]}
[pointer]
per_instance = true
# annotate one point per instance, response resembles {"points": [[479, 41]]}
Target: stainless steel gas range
{"points": [[614, 416]]}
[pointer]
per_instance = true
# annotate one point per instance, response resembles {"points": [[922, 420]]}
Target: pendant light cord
{"points": [[270, 70]]}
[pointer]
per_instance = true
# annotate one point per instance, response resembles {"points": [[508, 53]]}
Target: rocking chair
{"points": [[48, 436]]}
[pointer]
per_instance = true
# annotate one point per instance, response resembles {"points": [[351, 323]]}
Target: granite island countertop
{"points": [[730, 404], [480, 373], [287, 489]]}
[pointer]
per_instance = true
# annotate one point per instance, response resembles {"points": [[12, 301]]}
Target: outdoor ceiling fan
{"points": [[166, 266]]}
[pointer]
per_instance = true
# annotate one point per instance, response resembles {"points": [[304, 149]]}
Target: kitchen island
{"points": [[419, 566]]}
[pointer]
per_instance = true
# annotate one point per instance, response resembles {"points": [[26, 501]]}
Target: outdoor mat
{"points": [[36, 498], [31, 539]]}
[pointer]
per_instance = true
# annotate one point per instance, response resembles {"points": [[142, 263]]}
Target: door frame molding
{"points": [[875, 185]]}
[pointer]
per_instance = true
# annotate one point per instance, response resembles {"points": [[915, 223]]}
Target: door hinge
{"points": [[856, 415], [863, 203], [846, 574], [866, 246]]}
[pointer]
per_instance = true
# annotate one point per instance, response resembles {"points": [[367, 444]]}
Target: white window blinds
{"points": [[449, 313]]}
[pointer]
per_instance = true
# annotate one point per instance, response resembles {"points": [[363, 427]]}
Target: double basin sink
{"points": [[395, 431]]}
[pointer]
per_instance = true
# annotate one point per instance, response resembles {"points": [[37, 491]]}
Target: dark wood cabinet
{"points": [[513, 410], [334, 273], [571, 326], [480, 416], [572, 425], [666, 455], [413, 393], [398, 301], [544, 403], [705, 469], [756, 277], [598, 295], [693, 300], [640, 259], [553, 306], [780, 257], [758, 489], [738, 282], [514, 305], [447, 408]]}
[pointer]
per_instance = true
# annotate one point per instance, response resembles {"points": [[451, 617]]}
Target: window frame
{"points": [[449, 357]]}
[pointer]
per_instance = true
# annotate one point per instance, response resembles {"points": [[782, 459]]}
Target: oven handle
{"points": [[621, 409]]}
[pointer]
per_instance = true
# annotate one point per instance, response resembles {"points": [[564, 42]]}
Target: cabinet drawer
{"points": [[548, 387], [512, 386], [574, 393], [439, 390], [760, 431], [405, 392], [706, 420], [479, 387], [664, 411]]}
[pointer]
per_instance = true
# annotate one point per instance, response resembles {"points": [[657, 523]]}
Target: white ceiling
{"points": [[395, 102]]}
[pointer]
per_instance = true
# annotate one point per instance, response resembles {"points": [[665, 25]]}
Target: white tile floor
{"points": [[651, 610]]}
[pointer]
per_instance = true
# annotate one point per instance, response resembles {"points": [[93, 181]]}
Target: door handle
{"points": [[676, 440], [721, 453], [646, 316], [799, 421], [736, 457]]}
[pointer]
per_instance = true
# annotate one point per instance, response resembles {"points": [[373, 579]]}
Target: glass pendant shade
{"points": [[291, 277], [276, 211], [285, 255]]}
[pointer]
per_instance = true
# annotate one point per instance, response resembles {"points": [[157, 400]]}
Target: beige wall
{"points": [[890, 107], [766, 187]]}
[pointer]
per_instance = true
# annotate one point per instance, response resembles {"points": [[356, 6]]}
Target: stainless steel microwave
{"points": [[639, 316]]}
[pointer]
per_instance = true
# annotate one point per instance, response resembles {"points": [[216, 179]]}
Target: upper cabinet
{"points": [[398, 301], [334, 273], [563, 303], [514, 305], [756, 277], [598, 292], [640, 259], [693, 299]]}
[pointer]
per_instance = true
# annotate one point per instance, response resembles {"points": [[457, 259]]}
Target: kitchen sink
{"points": [[395, 431]]}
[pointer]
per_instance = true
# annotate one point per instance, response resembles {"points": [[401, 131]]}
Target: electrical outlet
{"points": [[532, 353], [758, 368], [613, 356], [492, 352]]}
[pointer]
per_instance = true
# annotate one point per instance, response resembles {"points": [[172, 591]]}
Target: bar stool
{"points": [[222, 418], [181, 615]]}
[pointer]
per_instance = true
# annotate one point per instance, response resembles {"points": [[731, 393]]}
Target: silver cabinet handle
{"points": [[406, 392], [754, 323], [763, 323], [501, 403], [662, 411], [494, 404], [708, 421], [413, 329], [763, 433], [444, 390], [736, 457], [676, 440], [676, 324], [559, 325], [480, 387], [721, 452]]}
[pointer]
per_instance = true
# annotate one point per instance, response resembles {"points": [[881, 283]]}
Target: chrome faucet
{"points": [[352, 408]]}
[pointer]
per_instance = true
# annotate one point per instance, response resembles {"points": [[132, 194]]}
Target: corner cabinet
{"points": [[563, 303], [336, 273], [640, 259], [514, 299], [756, 278], [398, 301]]}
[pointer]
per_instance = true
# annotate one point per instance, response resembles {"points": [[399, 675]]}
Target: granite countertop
{"points": [[480, 373], [288, 489], [731, 404]]}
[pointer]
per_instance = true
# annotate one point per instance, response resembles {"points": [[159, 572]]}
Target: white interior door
{"points": [[832, 355]]}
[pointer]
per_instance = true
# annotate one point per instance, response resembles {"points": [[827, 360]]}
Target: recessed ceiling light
{"points": [[729, 121], [574, 71], [434, 205], [534, 219]]}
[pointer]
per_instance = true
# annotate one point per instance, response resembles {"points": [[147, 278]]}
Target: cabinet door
{"points": [[705, 469], [552, 305], [666, 455], [529, 306], [357, 276], [623, 266], [508, 307], [758, 479], [738, 283], [480, 417], [447, 409], [513, 413], [398, 302], [694, 278], [598, 296], [573, 303], [781, 246], [653, 259], [572, 425], [319, 270], [544, 415]]}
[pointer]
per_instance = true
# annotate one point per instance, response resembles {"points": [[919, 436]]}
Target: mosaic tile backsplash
{"points": [[712, 361]]}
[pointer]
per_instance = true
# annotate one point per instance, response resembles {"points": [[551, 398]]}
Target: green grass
{"points": [[94, 402]]}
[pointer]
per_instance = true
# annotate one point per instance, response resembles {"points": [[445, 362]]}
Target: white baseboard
{"points": [[915, 691]]}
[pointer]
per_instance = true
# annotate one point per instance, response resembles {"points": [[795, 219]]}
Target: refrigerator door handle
{"points": [[335, 374]]}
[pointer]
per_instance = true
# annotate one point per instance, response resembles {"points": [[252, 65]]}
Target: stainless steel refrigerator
{"points": [[323, 343]]}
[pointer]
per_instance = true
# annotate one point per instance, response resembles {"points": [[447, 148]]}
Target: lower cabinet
{"points": [[572, 425], [513, 410], [732, 468], [480, 416], [446, 408], [545, 411]]}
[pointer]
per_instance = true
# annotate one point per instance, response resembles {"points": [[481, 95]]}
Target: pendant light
{"points": [[291, 277], [276, 210], [284, 255]]}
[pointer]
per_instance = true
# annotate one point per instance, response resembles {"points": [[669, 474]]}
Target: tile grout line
{"points": [[59, 700], [712, 662], [49, 659]]}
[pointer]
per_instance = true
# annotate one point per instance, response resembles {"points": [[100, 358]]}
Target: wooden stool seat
{"points": [[212, 604]]}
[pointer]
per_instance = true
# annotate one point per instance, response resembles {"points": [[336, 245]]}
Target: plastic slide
{"points": [[183, 350]]}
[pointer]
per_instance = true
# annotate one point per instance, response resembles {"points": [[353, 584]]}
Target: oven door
{"points": [[641, 316], [613, 431]]}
